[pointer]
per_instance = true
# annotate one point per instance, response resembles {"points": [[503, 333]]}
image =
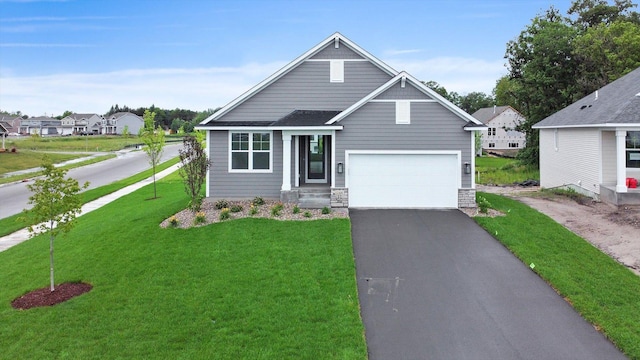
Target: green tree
{"points": [[195, 165], [590, 13], [176, 124], [153, 139], [125, 131], [505, 93], [56, 204], [542, 67], [475, 101]]}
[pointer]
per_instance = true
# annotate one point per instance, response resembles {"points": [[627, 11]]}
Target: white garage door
{"points": [[403, 180]]}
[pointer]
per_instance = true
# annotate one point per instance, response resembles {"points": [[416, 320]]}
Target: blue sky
{"points": [[86, 55]]}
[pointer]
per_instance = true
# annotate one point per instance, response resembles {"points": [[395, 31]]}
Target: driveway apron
{"points": [[434, 285]]}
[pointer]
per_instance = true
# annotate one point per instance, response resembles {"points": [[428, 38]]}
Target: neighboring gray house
{"points": [[501, 122], [41, 125], [11, 123], [115, 124], [593, 145], [338, 122], [78, 124]]}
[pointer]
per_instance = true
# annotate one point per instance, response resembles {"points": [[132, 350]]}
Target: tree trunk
{"points": [[51, 261]]}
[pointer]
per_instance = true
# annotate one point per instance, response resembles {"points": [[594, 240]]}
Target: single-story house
{"points": [[593, 145], [338, 124], [501, 133], [116, 123]]}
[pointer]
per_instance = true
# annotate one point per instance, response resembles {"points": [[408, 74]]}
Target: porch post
{"points": [[621, 165], [286, 161]]}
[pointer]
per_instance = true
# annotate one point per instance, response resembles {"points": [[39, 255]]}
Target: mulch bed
{"points": [[46, 297]]}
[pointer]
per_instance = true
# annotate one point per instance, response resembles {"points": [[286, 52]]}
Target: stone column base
{"points": [[467, 198]]}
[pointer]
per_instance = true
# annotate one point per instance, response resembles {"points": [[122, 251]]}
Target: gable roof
{"points": [[489, 113], [472, 123], [75, 116], [336, 37], [615, 104]]}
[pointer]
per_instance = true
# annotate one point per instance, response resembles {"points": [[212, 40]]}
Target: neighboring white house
{"points": [[501, 122], [593, 145], [79, 123], [116, 123]]}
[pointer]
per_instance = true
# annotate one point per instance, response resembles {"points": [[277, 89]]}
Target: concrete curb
{"points": [[22, 235]]}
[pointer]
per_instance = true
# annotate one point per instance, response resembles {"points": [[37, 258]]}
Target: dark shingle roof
{"points": [[488, 113], [294, 118], [615, 103]]}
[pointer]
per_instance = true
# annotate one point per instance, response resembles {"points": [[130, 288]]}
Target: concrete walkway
{"points": [[23, 235]]}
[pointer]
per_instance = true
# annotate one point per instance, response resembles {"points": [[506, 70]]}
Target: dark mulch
{"points": [[46, 297]]}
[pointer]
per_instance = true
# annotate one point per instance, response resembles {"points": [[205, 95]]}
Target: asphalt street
{"points": [[14, 197], [434, 285]]}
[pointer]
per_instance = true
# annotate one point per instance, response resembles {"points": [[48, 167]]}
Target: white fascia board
{"points": [[305, 129], [619, 125], [475, 128], [297, 61], [348, 111]]}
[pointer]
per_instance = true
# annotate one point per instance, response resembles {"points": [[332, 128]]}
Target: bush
{"points": [[236, 208], [326, 210], [253, 210], [221, 204], [276, 209], [173, 221], [296, 209], [200, 218], [483, 204], [307, 214], [257, 201], [224, 214]]}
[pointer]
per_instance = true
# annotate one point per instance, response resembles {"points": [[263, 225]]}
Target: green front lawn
{"points": [[604, 292], [27, 159], [242, 289], [503, 171]]}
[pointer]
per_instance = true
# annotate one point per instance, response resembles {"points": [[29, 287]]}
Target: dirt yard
{"points": [[614, 231]]}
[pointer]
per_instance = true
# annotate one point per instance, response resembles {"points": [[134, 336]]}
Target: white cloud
{"points": [[462, 75], [393, 52], [194, 89]]}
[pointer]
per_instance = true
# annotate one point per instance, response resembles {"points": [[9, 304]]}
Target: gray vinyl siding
{"points": [[433, 127], [307, 87], [397, 92], [225, 185], [331, 53]]}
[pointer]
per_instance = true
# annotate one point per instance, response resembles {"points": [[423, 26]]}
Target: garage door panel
{"points": [[403, 180]]}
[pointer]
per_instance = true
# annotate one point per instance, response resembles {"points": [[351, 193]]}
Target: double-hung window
{"points": [[250, 152], [633, 149]]}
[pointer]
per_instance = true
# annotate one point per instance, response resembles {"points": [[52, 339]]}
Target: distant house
{"points": [[11, 123], [79, 123], [41, 125], [593, 145], [338, 127], [116, 123], [501, 122]]}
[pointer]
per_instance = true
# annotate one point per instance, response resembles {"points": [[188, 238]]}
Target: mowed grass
{"points": [[604, 292], [243, 289], [74, 143], [27, 159], [503, 171], [14, 223]]}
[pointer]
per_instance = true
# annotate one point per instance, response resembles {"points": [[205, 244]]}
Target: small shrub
{"points": [[296, 210], [253, 210], [200, 218], [307, 214], [483, 204], [173, 221], [221, 204], [257, 201], [236, 208], [276, 209], [326, 210], [224, 214]]}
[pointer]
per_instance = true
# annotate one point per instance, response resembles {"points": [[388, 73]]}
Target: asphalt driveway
{"points": [[434, 285]]}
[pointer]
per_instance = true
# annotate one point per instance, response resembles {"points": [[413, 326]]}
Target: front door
{"points": [[316, 159]]}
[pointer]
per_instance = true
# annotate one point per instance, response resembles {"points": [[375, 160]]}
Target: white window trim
{"points": [[250, 151], [403, 112], [556, 140], [336, 71]]}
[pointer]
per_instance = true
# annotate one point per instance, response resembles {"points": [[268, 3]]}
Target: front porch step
{"points": [[314, 198]]}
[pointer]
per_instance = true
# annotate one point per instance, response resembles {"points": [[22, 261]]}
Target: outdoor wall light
{"points": [[467, 168], [340, 168]]}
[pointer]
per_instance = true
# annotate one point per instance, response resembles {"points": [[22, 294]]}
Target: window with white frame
{"points": [[633, 149], [250, 151]]}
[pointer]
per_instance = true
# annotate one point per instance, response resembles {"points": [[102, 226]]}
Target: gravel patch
{"points": [[187, 219]]}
